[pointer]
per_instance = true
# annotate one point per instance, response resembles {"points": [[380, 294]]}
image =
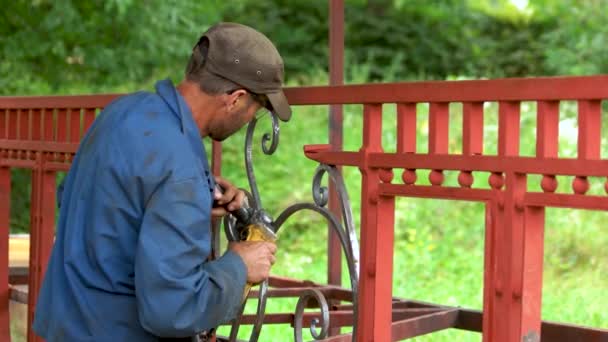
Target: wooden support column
{"points": [[5, 203], [336, 75], [377, 237]]}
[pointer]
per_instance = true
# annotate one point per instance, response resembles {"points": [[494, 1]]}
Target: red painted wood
{"points": [[376, 236], [216, 157], [532, 270], [41, 235], [472, 128], [489, 269], [216, 169], [566, 201], [23, 123], [74, 115], [34, 261], [89, 117], [372, 128], [425, 191], [3, 123], [336, 77], [406, 128], [589, 131], [62, 125], [36, 124], [384, 231], [562, 166], [508, 128], [547, 129], [39, 146], [69, 101], [5, 198], [511, 89], [438, 128], [12, 124]]}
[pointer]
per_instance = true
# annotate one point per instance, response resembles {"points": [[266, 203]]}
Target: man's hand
{"points": [[232, 198], [258, 257]]}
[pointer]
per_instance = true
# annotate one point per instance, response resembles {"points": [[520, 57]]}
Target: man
{"points": [[129, 260]]}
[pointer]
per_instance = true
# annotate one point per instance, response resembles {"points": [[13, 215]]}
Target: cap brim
{"points": [[279, 105]]}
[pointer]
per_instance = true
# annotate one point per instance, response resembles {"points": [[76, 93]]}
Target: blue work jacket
{"points": [[129, 261]]}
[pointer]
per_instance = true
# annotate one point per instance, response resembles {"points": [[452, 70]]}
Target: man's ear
{"points": [[235, 97]]}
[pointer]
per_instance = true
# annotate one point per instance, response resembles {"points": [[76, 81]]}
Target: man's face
{"points": [[239, 111]]}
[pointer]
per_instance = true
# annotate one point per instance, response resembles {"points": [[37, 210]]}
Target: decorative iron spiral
{"points": [[345, 231], [302, 303]]}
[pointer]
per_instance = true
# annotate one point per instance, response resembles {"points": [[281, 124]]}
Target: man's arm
{"points": [[178, 293]]}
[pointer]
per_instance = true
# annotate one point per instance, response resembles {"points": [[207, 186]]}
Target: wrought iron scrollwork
{"points": [[346, 233], [266, 138], [343, 227], [302, 302]]}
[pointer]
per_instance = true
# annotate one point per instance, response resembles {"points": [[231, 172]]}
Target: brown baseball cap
{"points": [[245, 56]]}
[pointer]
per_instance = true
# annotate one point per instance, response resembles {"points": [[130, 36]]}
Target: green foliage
{"points": [[417, 39], [60, 46], [580, 45]]}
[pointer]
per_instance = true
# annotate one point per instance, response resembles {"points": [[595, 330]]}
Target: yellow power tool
{"points": [[251, 225]]}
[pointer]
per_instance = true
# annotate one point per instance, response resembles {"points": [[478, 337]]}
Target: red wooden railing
{"points": [[42, 134], [514, 215]]}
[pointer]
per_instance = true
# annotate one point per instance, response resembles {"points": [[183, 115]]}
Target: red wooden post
{"points": [[42, 226], [62, 130], [406, 128], [74, 128], [589, 129], [5, 201], [36, 124], [472, 128], [490, 296], [216, 169], [531, 273], [517, 248], [336, 70], [12, 124], [438, 127], [377, 234], [3, 123], [41, 234], [89, 117], [23, 122], [48, 127]]}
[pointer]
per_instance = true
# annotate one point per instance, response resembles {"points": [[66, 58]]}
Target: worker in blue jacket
{"points": [[130, 256]]}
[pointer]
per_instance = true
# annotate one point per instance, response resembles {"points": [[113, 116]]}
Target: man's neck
{"points": [[200, 104]]}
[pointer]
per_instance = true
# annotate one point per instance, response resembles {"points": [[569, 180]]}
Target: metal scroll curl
{"points": [[273, 139], [346, 234], [343, 228], [302, 302], [254, 201]]}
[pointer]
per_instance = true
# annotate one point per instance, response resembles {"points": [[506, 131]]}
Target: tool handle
{"points": [[254, 233], [241, 214]]}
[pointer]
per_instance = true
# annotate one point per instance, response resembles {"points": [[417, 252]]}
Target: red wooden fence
{"points": [[514, 214], [42, 134]]}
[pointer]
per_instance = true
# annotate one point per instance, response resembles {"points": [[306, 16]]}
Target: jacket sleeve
{"points": [[178, 292]]}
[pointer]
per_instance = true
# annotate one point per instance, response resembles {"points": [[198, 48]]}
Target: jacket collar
{"points": [[166, 90]]}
